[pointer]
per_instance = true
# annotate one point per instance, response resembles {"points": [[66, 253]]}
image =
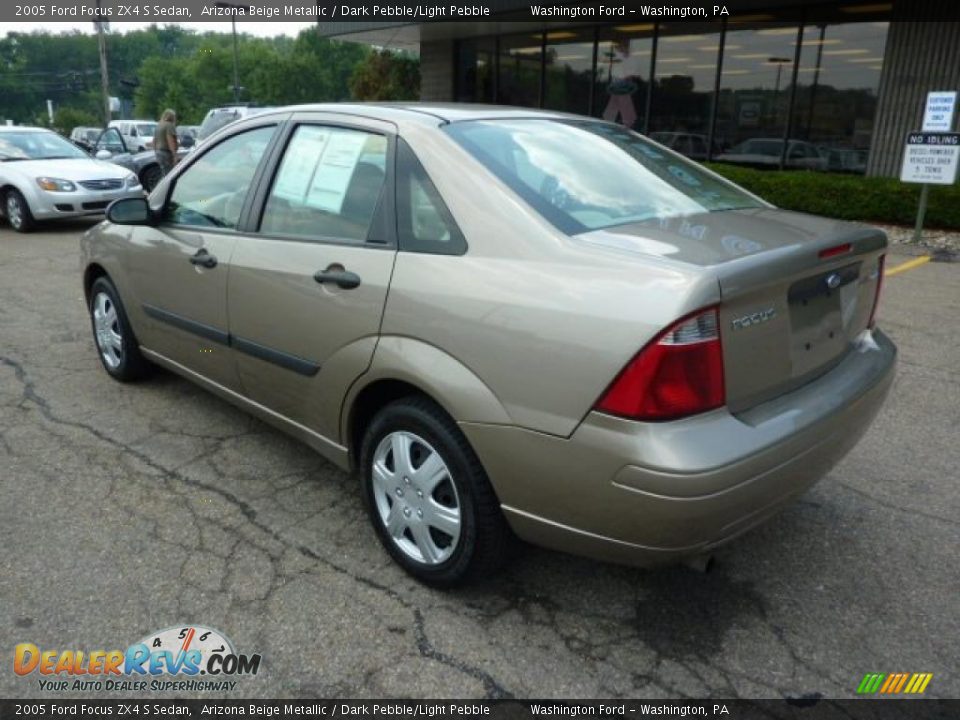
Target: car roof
{"points": [[425, 113]]}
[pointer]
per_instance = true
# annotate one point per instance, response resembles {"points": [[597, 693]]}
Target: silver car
{"points": [[508, 322], [44, 176]]}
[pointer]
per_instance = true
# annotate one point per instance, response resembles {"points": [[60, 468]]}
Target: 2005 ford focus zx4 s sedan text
{"points": [[509, 322]]}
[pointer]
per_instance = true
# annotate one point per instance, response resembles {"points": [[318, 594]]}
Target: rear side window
{"points": [[328, 186], [424, 222]]}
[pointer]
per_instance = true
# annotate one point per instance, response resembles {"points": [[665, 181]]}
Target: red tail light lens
{"points": [[835, 250], [677, 374], [876, 296]]}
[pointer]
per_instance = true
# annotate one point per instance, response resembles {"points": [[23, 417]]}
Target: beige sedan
{"points": [[508, 322]]}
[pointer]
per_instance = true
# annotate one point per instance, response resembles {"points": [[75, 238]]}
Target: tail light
{"points": [[876, 296], [679, 373]]}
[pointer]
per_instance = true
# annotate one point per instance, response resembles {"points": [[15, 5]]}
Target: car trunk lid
{"points": [[796, 290]]}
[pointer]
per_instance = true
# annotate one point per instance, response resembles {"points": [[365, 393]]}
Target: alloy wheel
{"points": [[14, 211], [416, 499], [106, 325]]}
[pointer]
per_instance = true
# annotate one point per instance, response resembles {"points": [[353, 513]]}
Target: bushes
{"points": [[849, 197]]}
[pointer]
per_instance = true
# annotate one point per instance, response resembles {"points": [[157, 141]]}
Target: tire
{"points": [[116, 344], [412, 513], [151, 175], [18, 212]]}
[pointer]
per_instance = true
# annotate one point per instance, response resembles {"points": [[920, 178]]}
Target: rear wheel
{"points": [[18, 212], [116, 343], [150, 177], [428, 497]]}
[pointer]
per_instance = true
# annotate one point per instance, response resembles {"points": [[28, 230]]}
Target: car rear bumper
{"points": [[646, 493]]}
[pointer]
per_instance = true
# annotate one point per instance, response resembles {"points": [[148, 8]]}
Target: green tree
{"points": [[66, 119], [385, 75]]}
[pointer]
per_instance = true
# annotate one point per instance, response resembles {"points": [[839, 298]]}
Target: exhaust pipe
{"points": [[699, 563]]}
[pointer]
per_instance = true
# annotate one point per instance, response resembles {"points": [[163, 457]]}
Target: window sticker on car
{"points": [[334, 170], [300, 162]]}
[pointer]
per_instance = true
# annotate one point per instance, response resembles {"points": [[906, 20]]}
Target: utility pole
{"points": [[102, 26], [233, 8]]}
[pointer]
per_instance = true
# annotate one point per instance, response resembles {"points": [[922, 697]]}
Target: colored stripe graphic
{"points": [[918, 683], [894, 683], [870, 683], [888, 686]]}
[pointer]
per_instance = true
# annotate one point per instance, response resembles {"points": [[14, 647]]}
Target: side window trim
{"points": [[253, 182], [383, 223]]}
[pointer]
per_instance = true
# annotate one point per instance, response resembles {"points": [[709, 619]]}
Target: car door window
{"points": [[212, 191], [329, 184], [424, 222], [111, 141]]}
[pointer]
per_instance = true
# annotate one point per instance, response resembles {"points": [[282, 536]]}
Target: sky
{"points": [[251, 27]]}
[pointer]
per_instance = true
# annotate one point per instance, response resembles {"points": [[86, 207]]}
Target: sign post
{"points": [[932, 155], [929, 158]]}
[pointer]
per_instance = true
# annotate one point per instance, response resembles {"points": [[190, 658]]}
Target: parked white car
{"points": [[45, 176], [137, 134]]}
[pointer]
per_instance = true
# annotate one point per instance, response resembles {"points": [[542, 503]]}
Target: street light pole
{"points": [[236, 63], [102, 25], [233, 7]]}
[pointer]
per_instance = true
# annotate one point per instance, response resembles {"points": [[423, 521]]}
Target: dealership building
{"points": [[843, 82]]}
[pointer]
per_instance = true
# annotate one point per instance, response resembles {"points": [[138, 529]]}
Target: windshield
{"points": [[214, 122], [589, 175], [145, 129], [36, 145]]}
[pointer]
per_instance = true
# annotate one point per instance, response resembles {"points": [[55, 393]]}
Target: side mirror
{"points": [[130, 211], [103, 155]]}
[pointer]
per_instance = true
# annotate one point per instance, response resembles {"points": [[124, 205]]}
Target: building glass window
{"points": [[836, 98], [476, 65], [684, 79], [754, 95], [568, 64], [623, 74], [521, 60]]}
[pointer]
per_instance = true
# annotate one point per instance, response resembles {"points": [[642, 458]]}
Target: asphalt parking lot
{"points": [[126, 509]]}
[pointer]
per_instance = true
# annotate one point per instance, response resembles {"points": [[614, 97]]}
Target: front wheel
{"points": [[116, 343], [428, 497], [18, 212]]}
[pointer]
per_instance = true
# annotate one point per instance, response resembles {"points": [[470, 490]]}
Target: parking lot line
{"points": [[908, 265]]}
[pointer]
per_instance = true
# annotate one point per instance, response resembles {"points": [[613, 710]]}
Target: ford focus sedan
{"points": [[44, 176], [507, 322]]}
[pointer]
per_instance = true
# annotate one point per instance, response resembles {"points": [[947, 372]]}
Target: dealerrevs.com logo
{"points": [[176, 659]]}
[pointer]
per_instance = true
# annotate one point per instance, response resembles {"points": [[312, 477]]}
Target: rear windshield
{"points": [[588, 175]]}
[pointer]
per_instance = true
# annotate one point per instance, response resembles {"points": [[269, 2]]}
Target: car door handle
{"points": [[204, 258], [337, 274]]}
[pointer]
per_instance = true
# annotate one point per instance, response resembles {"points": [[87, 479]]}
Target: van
{"points": [[137, 134]]}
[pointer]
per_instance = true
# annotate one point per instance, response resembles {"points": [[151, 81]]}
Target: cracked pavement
{"points": [[126, 509]]}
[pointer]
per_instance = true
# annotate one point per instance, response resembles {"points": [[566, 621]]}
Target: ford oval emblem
{"points": [[833, 281]]}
